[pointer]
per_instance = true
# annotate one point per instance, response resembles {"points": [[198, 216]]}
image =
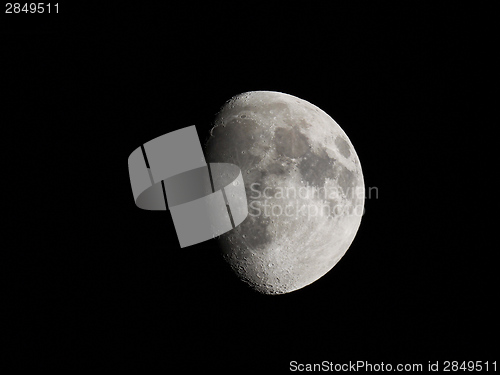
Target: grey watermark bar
{"points": [[173, 166]]}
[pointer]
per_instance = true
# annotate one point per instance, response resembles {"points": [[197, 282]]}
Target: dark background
{"points": [[95, 282]]}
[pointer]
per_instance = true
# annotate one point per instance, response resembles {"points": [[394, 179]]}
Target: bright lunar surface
{"points": [[304, 186]]}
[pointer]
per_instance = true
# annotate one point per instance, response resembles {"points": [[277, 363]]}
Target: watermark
{"points": [[308, 201], [310, 192], [355, 366], [365, 366]]}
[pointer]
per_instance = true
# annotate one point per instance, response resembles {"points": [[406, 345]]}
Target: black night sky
{"points": [[97, 283]]}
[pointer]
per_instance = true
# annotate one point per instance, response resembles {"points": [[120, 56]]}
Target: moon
{"points": [[304, 187]]}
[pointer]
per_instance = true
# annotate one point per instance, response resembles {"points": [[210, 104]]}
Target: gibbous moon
{"points": [[304, 186]]}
